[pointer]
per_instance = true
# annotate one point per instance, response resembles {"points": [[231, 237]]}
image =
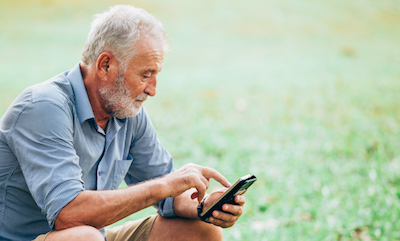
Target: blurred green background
{"points": [[302, 93]]}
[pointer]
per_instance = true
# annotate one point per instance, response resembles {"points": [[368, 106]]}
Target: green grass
{"points": [[304, 94]]}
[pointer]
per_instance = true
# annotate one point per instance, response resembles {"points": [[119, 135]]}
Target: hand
{"points": [[193, 176], [231, 212]]}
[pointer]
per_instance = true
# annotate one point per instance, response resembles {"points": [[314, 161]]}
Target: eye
{"points": [[146, 77]]}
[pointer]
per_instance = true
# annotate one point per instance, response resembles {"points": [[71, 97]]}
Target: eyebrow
{"points": [[151, 71]]}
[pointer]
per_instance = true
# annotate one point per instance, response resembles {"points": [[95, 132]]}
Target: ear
{"points": [[106, 66]]}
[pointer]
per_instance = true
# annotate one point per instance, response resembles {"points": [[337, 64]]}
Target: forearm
{"points": [[101, 208]]}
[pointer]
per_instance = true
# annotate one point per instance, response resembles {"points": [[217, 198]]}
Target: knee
{"points": [[213, 233], [88, 233], [184, 229], [84, 233]]}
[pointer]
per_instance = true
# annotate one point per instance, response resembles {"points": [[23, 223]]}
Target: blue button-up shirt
{"points": [[51, 149]]}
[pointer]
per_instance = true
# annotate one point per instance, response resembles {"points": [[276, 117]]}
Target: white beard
{"points": [[119, 101]]}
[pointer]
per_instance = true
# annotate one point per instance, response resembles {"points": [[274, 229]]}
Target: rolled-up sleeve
{"points": [[150, 159], [166, 208], [42, 140]]}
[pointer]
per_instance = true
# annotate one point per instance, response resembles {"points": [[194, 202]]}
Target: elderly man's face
{"points": [[125, 97]]}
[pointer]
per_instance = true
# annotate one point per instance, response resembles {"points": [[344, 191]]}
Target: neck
{"points": [[91, 82]]}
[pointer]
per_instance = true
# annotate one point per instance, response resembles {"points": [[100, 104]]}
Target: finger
{"points": [[240, 200], [226, 217], [206, 181], [196, 172], [235, 210], [220, 223], [200, 183], [212, 173], [222, 219], [201, 191]]}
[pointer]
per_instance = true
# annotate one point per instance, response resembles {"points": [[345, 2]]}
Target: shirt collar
{"points": [[83, 107]]}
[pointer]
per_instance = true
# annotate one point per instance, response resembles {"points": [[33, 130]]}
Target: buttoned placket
{"points": [[112, 128]]}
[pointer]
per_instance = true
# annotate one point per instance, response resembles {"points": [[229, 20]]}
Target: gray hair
{"points": [[117, 30]]}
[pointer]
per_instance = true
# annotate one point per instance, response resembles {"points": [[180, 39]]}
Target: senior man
{"points": [[66, 145]]}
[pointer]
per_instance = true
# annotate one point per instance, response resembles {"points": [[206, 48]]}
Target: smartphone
{"points": [[238, 188]]}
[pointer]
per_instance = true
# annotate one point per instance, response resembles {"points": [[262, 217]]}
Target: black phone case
{"points": [[228, 197]]}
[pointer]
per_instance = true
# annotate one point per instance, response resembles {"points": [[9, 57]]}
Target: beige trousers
{"points": [[138, 230]]}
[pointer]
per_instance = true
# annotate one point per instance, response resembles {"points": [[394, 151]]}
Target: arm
{"points": [[101, 208]]}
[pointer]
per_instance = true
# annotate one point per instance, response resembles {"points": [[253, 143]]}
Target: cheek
{"points": [[136, 87], [136, 91]]}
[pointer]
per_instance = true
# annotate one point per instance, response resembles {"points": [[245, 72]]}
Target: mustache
{"points": [[141, 97]]}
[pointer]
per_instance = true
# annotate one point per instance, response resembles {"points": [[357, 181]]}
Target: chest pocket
{"points": [[120, 170]]}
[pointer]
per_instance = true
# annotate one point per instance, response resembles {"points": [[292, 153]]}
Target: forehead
{"points": [[148, 50]]}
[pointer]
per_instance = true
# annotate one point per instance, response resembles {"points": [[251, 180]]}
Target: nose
{"points": [[151, 88]]}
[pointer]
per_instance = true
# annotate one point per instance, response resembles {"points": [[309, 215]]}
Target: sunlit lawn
{"points": [[304, 94]]}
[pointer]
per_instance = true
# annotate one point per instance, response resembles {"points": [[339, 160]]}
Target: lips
{"points": [[140, 100], [141, 97]]}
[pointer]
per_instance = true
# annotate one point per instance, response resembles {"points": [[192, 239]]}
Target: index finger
{"points": [[212, 173]]}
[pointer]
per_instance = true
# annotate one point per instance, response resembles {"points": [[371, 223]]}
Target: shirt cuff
{"points": [[166, 208]]}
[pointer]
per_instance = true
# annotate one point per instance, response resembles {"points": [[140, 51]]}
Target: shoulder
{"points": [[56, 90], [50, 98]]}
